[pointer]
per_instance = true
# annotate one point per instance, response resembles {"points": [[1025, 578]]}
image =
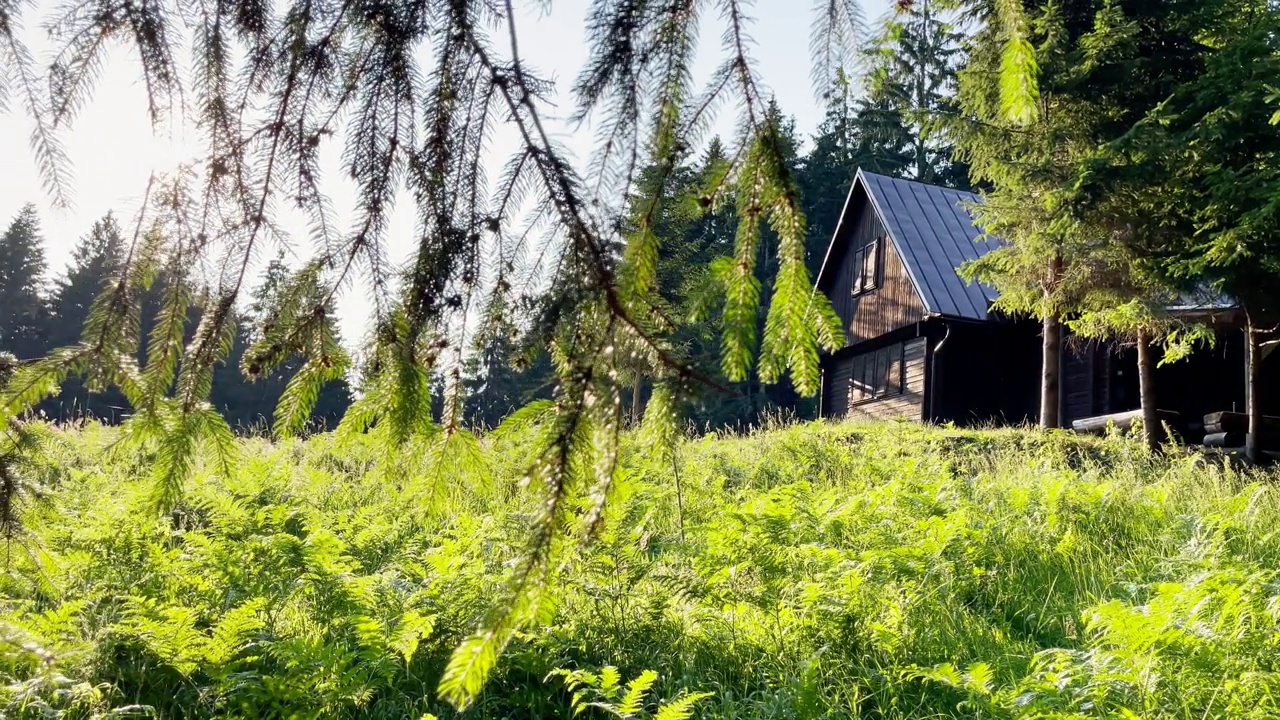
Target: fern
{"points": [[682, 707], [604, 691], [632, 701], [421, 126]]}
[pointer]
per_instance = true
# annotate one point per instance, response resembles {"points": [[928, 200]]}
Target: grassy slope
{"points": [[881, 571]]}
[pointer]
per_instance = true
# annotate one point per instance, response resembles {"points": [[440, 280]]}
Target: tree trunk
{"points": [[1147, 391], [1253, 376], [1051, 363], [1052, 366], [637, 385]]}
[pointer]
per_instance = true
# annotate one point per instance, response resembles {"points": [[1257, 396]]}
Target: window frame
{"points": [[872, 381], [861, 283]]}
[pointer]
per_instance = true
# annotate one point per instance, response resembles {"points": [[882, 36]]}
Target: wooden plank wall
{"points": [[835, 388], [1086, 380], [910, 404], [1077, 384], [894, 304]]}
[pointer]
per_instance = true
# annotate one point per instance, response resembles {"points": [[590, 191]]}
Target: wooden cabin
{"points": [[923, 343]]}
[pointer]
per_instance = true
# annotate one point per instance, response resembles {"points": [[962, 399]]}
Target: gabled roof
{"points": [[934, 235]]}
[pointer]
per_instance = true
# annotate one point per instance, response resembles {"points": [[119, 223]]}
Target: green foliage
{"points": [[825, 571], [1201, 164], [499, 376], [604, 691], [912, 79], [1019, 80], [23, 322], [95, 260], [1079, 246]]}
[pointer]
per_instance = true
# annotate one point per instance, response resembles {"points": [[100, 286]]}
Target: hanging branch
{"points": [[417, 92]]}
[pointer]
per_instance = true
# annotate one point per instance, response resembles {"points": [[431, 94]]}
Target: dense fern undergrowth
{"points": [[820, 570]]}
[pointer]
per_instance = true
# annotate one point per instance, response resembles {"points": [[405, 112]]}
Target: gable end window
{"points": [[866, 268]]}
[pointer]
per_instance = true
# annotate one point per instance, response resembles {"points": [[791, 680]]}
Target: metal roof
{"points": [[934, 235]]}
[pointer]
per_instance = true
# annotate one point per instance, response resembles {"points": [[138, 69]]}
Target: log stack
{"points": [[1228, 429]]}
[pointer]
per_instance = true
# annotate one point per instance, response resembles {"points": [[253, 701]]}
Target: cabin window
{"points": [[866, 268], [877, 374]]}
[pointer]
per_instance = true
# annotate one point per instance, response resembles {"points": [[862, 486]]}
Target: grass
{"points": [[869, 571]]}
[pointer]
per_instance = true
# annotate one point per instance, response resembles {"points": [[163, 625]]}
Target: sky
{"points": [[113, 147]]}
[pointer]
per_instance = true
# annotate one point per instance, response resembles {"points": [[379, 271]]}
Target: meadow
{"points": [[807, 571]]}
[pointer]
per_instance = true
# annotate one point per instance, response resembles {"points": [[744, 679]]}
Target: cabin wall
{"points": [[893, 305], [985, 373], [839, 391], [1093, 382], [1211, 379]]}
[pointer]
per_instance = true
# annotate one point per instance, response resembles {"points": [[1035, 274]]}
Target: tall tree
{"points": [[24, 329], [1026, 160], [849, 138], [1205, 164], [250, 398], [504, 371], [1135, 56], [95, 260], [94, 263], [916, 57], [1080, 249]]}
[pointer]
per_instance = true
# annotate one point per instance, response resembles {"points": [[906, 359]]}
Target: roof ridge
{"points": [[913, 181]]}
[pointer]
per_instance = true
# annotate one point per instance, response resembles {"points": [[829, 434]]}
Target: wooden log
{"points": [[1231, 422], [1123, 421], [1224, 440], [1239, 422]]}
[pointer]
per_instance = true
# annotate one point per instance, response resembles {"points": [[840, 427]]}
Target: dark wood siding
{"points": [[1088, 385], [893, 304], [837, 382], [1078, 382]]}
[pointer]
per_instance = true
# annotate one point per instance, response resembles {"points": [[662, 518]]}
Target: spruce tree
{"points": [[845, 142], [248, 394], [1136, 56], [1050, 260], [1079, 250], [913, 79], [1200, 168], [95, 261], [504, 370], [24, 326]]}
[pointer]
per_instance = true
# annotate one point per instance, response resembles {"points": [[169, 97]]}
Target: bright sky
{"points": [[113, 148]]}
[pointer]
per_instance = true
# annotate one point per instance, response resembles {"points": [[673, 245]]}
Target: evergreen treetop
{"points": [[23, 309]]}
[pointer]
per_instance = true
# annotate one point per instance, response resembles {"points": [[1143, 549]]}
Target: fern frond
{"points": [[233, 631], [632, 702], [682, 707]]}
